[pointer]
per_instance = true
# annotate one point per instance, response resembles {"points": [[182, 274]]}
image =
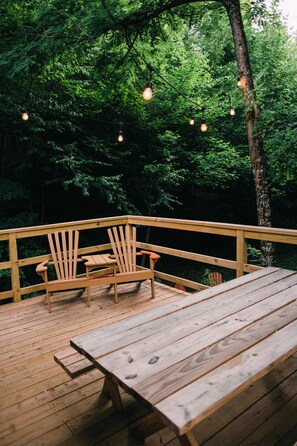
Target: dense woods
{"points": [[79, 69]]}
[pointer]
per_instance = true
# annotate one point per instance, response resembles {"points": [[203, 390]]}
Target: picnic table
{"points": [[186, 359]]}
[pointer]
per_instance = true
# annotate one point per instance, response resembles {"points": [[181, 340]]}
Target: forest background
{"points": [[79, 68]]}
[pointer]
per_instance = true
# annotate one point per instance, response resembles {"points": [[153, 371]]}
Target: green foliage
{"points": [[79, 68], [254, 255]]}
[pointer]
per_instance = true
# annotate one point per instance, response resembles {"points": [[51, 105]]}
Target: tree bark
{"points": [[253, 112]]}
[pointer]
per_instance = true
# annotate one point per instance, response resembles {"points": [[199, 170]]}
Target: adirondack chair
{"points": [[123, 243], [180, 287], [64, 251], [215, 278]]}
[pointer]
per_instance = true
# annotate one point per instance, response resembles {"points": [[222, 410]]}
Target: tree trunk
{"points": [[252, 109]]}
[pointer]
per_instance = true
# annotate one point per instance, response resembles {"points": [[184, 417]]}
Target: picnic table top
{"points": [[187, 358]]}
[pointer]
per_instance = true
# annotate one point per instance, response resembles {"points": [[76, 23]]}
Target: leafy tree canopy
{"points": [[79, 68]]}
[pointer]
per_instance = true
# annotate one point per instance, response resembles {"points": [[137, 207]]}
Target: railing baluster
{"points": [[241, 253], [15, 272]]}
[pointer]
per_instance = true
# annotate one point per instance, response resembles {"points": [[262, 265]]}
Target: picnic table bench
{"points": [[186, 359]]}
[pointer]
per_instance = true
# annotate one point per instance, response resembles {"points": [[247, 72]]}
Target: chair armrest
{"points": [[42, 267], [155, 257]]}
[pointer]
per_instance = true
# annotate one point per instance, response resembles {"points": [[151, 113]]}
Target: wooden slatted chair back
{"points": [[64, 251], [123, 243], [215, 278]]}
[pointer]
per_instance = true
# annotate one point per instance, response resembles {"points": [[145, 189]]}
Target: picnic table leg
{"points": [[188, 439], [111, 390], [147, 426], [105, 388]]}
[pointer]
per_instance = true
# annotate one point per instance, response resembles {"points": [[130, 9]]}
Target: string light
{"points": [[232, 111], [25, 115], [148, 94], [148, 91], [241, 82], [203, 125], [120, 135]]}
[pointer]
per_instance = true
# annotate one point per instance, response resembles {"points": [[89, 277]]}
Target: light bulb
{"points": [[203, 127], [192, 121], [25, 115], [241, 82], [232, 111], [147, 94], [120, 137]]}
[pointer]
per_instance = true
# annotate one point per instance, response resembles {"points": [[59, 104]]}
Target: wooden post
{"points": [[241, 253], [15, 273]]}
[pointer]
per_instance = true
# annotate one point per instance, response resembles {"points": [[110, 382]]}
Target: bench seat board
{"points": [[73, 362]]}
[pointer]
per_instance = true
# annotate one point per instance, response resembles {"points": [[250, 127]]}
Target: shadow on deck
{"points": [[41, 405]]}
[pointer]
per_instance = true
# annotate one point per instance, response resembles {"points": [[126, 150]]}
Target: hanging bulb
{"points": [[25, 115], [148, 91], [192, 121], [203, 126], [241, 82], [232, 111], [120, 136]]}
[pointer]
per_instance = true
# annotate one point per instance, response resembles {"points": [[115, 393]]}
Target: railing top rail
{"points": [[165, 222], [31, 231], [229, 229]]}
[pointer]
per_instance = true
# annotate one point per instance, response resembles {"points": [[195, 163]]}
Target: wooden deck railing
{"points": [[241, 233]]}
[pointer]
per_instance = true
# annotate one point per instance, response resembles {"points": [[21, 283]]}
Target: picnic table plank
{"points": [[228, 331], [158, 387], [195, 298], [138, 328], [127, 361], [187, 407]]}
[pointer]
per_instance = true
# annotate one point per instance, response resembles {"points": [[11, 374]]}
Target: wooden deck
{"points": [[41, 405]]}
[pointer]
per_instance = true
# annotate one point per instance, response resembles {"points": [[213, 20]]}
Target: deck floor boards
{"points": [[41, 405]]}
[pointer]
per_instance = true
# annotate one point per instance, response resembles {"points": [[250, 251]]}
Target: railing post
{"points": [[15, 273], [241, 253]]}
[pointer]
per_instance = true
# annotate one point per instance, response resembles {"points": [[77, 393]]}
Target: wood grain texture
{"points": [[187, 407], [186, 361], [40, 404]]}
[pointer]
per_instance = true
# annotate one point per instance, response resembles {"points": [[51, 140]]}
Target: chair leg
{"points": [[116, 293], [48, 300], [89, 295], [88, 287], [153, 288]]}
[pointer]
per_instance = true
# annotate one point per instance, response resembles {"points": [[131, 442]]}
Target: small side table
{"points": [[99, 261]]}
